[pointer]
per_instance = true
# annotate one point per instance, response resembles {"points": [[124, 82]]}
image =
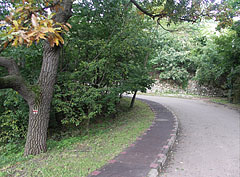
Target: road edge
{"points": [[162, 157]]}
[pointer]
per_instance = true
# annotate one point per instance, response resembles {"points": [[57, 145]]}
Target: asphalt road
{"points": [[209, 139]]}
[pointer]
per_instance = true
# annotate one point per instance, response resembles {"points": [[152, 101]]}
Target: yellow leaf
{"points": [[34, 21], [29, 43], [9, 32], [45, 24], [51, 30], [47, 30], [65, 28], [38, 40], [60, 38], [19, 21], [68, 25], [31, 33], [56, 41], [51, 15], [20, 40], [15, 42], [19, 9], [15, 24], [42, 36]]}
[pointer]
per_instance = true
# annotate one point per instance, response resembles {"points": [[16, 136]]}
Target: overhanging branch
{"points": [[161, 15], [10, 65], [10, 81], [14, 80], [169, 30], [141, 9]]}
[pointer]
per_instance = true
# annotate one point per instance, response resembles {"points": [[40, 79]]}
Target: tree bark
{"points": [[14, 80], [39, 109], [37, 130], [39, 101]]}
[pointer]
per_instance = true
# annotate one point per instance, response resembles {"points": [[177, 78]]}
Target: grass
{"points": [[176, 95], [224, 101], [80, 155], [218, 100]]}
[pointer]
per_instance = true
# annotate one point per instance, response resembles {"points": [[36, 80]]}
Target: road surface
{"points": [[209, 139]]}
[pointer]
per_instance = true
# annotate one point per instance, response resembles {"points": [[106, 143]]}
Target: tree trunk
{"points": [[39, 112], [37, 130], [39, 108], [133, 99], [39, 102]]}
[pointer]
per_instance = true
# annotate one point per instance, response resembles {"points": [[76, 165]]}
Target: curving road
{"points": [[209, 139]]}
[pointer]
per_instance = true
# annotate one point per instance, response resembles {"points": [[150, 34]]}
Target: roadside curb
{"points": [[148, 154], [158, 164]]}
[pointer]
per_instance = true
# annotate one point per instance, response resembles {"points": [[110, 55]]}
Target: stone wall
{"points": [[193, 87]]}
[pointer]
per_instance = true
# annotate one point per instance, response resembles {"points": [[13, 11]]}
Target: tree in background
{"points": [[108, 50], [218, 62], [173, 61]]}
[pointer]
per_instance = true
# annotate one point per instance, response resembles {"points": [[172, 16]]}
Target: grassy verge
{"points": [[80, 155], [218, 100], [175, 95], [224, 101]]}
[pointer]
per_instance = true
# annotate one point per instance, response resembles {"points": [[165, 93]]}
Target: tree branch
{"points": [[10, 81], [141, 9], [158, 21], [64, 13], [10, 65], [14, 80], [161, 15]]}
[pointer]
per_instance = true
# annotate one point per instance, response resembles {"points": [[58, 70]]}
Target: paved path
{"points": [[141, 157], [209, 140]]}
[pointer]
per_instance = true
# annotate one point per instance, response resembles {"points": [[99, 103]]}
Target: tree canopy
{"points": [[92, 51]]}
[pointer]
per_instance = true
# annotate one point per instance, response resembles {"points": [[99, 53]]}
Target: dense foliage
{"points": [[219, 62], [106, 54], [173, 60], [200, 52], [13, 109]]}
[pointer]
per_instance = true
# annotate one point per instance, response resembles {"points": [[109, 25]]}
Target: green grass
{"points": [[224, 101], [80, 155], [175, 95], [218, 100]]}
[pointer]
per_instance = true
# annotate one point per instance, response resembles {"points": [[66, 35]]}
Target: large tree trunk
{"points": [[39, 109], [39, 101], [37, 130]]}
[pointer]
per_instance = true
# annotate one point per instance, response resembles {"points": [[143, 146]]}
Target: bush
{"points": [[173, 61], [13, 116], [76, 102]]}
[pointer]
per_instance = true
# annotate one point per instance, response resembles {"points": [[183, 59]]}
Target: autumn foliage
{"points": [[29, 22]]}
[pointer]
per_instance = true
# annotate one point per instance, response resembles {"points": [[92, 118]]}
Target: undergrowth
{"points": [[84, 151]]}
